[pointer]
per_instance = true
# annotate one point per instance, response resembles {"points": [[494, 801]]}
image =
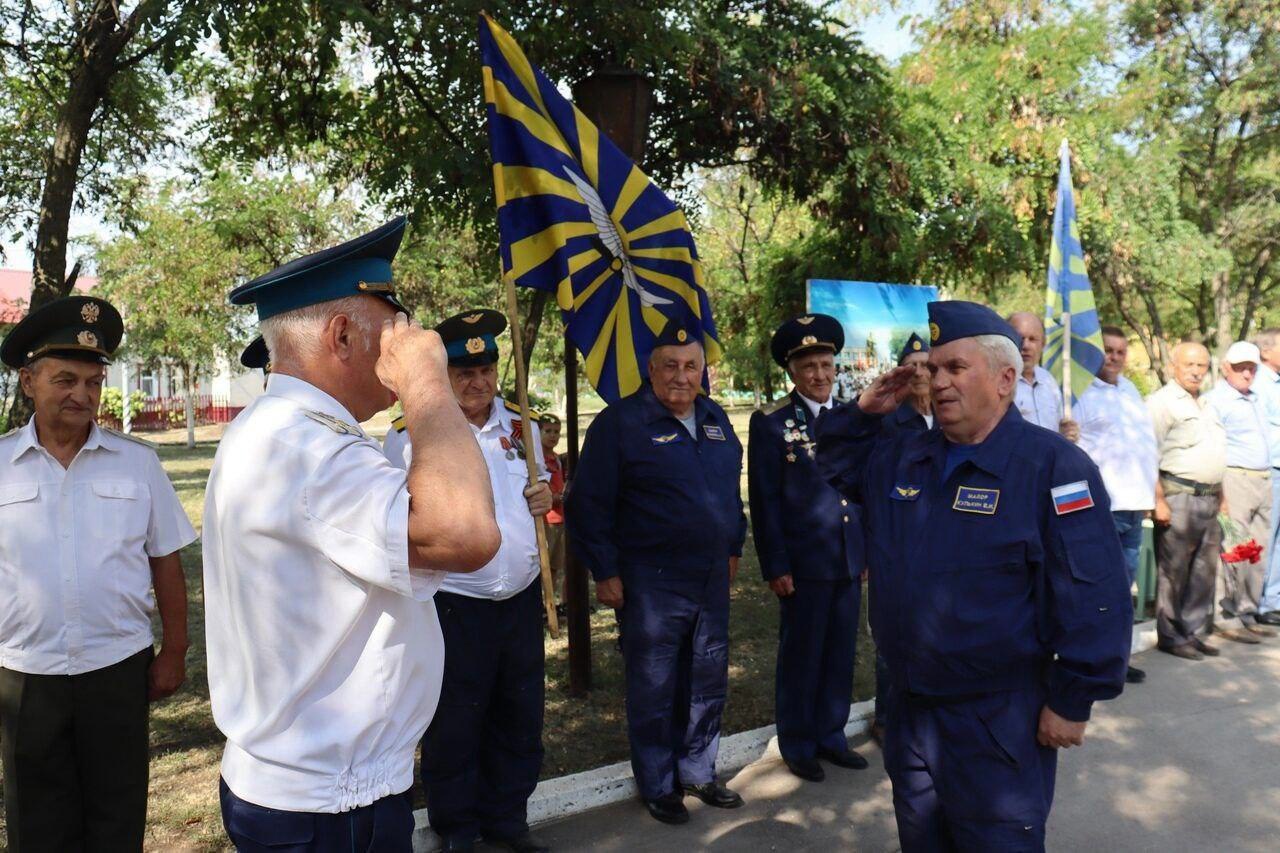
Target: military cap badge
{"points": [[89, 312], [87, 339], [475, 346]]}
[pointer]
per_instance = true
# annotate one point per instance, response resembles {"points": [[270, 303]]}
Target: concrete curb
{"points": [[591, 789]]}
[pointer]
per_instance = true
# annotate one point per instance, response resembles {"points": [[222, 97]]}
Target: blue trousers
{"points": [[385, 826], [817, 642], [882, 688], [483, 751], [1128, 523], [969, 775], [675, 648], [1270, 600]]}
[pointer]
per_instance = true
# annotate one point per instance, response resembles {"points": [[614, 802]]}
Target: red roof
{"points": [[15, 293]]}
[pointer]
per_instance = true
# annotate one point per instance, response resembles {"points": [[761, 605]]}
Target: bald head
{"points": [[1031, 327], [1190, 366]]}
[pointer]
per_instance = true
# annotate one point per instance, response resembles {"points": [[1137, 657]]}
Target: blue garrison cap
{"points": [[362, 265], [806, 333], [954, 319], [914, 344], [679, 330], [471, 338]]}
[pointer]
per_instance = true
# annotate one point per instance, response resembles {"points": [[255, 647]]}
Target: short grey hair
{"points": [[1001, 352], [295, 335], [1267, 339]]}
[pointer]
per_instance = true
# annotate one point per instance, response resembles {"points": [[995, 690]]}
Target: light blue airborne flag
{"points": [[1069, 292], [578, 219]]}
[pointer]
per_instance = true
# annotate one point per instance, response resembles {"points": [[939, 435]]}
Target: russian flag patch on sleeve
{"points": [[1071, 497]]}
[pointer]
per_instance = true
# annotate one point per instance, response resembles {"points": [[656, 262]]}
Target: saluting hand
{"points": [[538, 496], [887, 392], [408, 353]]}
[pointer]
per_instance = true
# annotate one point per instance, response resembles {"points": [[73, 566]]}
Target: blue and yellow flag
{"points": [[580, 220], [1069, 291]]}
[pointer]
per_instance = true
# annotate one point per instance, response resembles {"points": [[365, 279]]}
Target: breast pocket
{"points": [[19, 519], [118, 512]]}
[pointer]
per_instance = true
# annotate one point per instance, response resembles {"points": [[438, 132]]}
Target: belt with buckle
{"points": [[1191, 486]]}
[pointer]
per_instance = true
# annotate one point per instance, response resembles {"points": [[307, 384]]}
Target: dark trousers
{"points": [[675, 647], [1187, 554], [817, 642], [483, 751], [969, 775], [385, 826], [882, 688], [75, 758]]}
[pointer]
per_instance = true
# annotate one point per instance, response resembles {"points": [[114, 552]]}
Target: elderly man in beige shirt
{"points": [[1193, 458]]}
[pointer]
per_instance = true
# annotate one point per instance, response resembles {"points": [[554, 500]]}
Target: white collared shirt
{"points": [[1117, 433], [75, 579], [815, 407], [516, 565], [325, 654], [1267, 385], [1039, 401]]}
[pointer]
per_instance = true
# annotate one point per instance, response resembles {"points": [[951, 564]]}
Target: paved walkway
{"points": [[1189, 761]]}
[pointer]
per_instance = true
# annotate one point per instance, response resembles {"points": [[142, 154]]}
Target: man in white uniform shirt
{"points": [[1267, 385], [321, 559], [1116, 432], [1037, 396], [89, 524], [483, 753]]}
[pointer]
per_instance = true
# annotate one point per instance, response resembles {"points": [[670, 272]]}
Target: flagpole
{"points": [[530, 458], [1066, 365]]}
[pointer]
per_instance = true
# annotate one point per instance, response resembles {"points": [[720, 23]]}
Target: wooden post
{"points": [[576, 589], [530, 458], [1066, 365]]}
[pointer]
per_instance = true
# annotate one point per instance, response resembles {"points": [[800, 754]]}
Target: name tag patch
{"points": [[981, 501], [713, 431], [905, 493], [669, 438], [1072, 497]]}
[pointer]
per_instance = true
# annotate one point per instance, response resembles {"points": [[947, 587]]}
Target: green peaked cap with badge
{"points": [[81, 328]]}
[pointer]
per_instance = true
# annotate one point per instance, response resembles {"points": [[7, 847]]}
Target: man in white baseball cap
{"points": [[1246, 485]]}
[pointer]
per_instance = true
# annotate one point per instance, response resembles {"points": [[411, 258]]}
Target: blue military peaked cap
{"points": [[914, 344], [471, 338], [362, 265], [255, 355], [678, 331], [954, 319], [806, 333], [81, 328]]}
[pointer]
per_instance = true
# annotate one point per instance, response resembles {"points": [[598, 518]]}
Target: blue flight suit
{"points": [[662, 510], [804, 528], [990, 598], [905, 419]]}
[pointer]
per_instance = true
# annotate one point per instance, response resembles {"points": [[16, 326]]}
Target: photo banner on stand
{"points": [[878, 318]]}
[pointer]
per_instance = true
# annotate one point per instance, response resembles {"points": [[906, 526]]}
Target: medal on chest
{"points": [[795, 432]]}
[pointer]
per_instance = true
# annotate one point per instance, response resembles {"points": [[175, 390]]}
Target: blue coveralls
{"points": [[989, 600], [804, 528], [662, 510]]}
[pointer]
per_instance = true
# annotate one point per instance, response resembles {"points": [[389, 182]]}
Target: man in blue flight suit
{"points": [[999, 596], [655, 512], [811, 554]]}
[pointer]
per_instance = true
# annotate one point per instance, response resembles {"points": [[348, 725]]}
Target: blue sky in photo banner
{"points": [[885, 33]]}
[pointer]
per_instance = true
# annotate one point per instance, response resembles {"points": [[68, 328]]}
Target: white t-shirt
{"points": [[325, 654], [1117, 433], [75, 579]]}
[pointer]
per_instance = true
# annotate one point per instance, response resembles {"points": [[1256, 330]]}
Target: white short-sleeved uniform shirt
{"points": [[516, 564], [1117, 433], [75, 578], [325, 655], [1039, 402]]}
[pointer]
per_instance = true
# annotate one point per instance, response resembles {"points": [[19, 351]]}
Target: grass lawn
{"points": [[579, 734]]}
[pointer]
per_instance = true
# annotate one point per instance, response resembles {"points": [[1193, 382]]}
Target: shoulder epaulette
{"points": [[778, 406], [514, 408], [398, 424], [127, 437], [336, 424]]}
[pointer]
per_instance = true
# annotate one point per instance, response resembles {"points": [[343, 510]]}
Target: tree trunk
{"points": [[531, 323], [190, 407], [1221, 311]]}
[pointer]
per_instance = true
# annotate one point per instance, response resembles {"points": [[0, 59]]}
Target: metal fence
{"points": [[160, 413]]}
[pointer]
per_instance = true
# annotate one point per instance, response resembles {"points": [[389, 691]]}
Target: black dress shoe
{"points": [[522, 844], [1270, 618], [1134, 675], [1186, 650], [848, 758], [715, 794], [668, 809], [806, 768], [1206, 649]]}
